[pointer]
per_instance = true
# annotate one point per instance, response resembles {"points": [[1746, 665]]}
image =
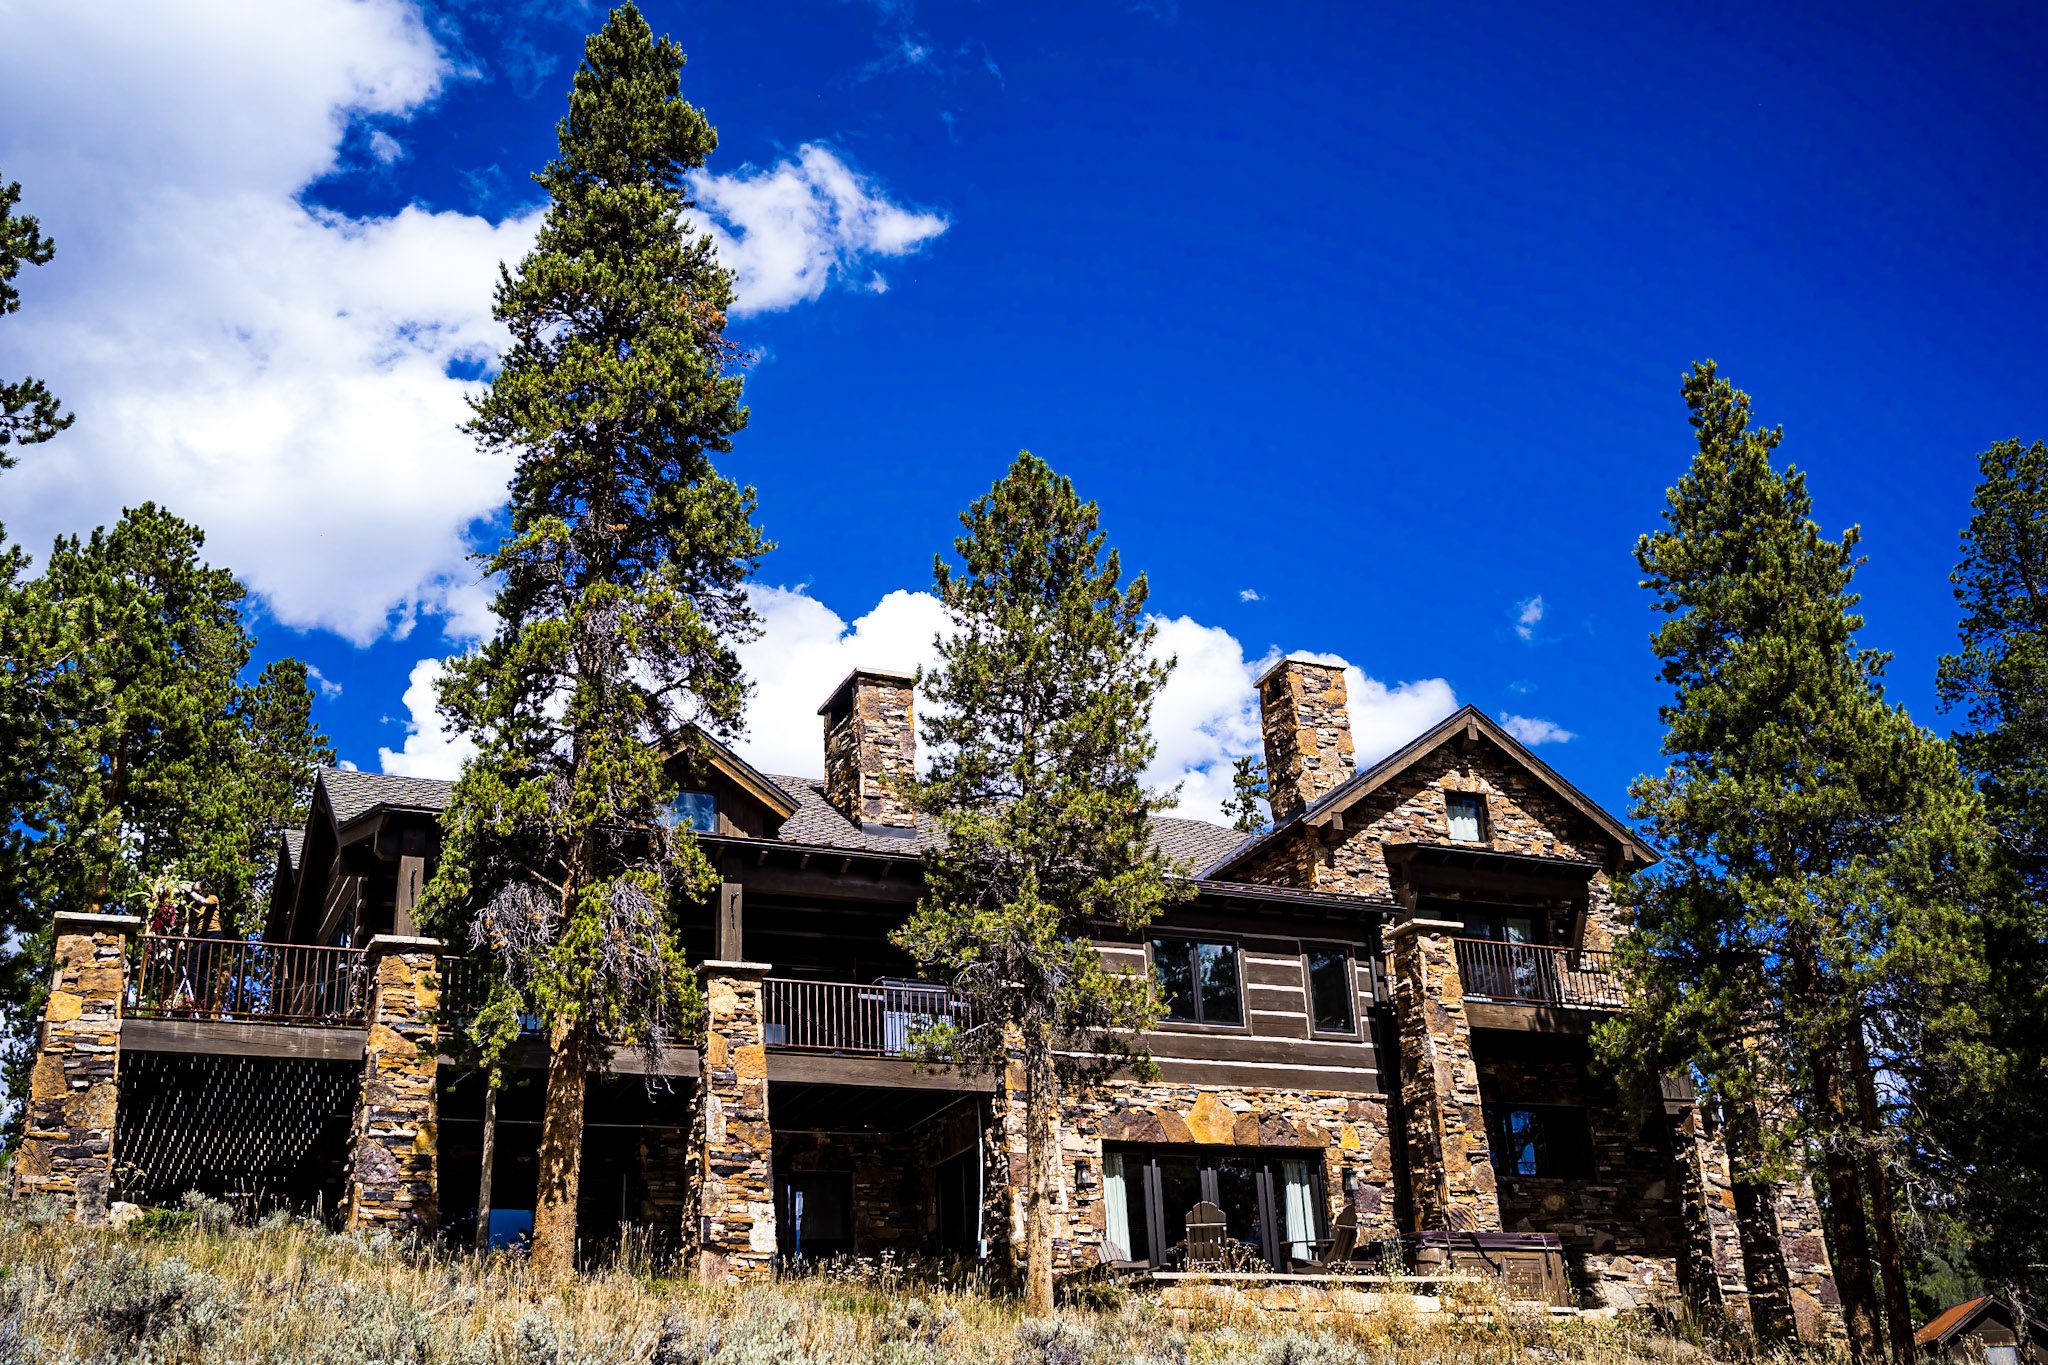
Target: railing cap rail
{"points": [[87, 921]]}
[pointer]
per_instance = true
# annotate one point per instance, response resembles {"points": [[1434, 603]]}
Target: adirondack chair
{"points": [[1343, 1242], [1207, 1231]]}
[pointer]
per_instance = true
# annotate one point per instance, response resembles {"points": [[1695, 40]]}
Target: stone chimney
{"points": [[870, 747], [1308, 734]]}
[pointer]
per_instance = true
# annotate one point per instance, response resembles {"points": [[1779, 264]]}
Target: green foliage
{"points": [[1820, 847], [132, 745], [1974, 1076], [1246, 808], [1037, 718], [29, 412], [620, 583]]}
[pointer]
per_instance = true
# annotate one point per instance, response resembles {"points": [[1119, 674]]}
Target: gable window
{"points": [[695, 811], [1330, 989], [1468, 817], [1199, 981], [1546, 1141]]}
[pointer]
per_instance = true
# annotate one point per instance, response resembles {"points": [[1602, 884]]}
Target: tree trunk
{"points": [[561, 1156], [483, 1187], [1891, 1256], [1756, 1229], [1040, 1149], [1845, 1207]]}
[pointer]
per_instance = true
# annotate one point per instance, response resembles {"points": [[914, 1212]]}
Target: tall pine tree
{"points": [[1038, 718], [1817, 841], [1974, 1076], [29, 412], [620, 600], [143, 750]]}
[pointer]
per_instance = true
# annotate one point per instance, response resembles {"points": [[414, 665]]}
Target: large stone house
{"points": [[1379, 1017]]}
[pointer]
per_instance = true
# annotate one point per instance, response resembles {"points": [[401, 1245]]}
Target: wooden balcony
{"points": [[234, 981], [1535, 974], [842, 1018]]}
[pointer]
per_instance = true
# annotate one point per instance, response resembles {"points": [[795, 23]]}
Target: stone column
{"points": [[1809, 1275], [731, 1192], [391, 1177], [67, 1147], [1713, 1272], [1450, 1169]]}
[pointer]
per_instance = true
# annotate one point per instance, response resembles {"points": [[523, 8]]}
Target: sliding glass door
{"points": [[1272, 1202]]}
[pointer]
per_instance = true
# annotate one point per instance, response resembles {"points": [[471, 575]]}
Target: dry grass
{"points": [[196, 1287]]}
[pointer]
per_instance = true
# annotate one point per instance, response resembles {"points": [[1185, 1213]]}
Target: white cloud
{"points": [[1249, 595], [325, 685], [789, 230], [430, 749], [1206, 716], [1528, 615], [385, 149], [1533, 731], [279, 374]]}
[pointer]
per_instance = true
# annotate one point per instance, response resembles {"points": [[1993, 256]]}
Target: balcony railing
{"points": [[1536, 974], [862, 1021], [233, 980]]}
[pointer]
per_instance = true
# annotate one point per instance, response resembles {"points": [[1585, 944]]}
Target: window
{"points": [[1468, 816], [814, 1218], [697, 811], [1330, 989], [1271, 1201], [1199, 980], [1545, 1141]]}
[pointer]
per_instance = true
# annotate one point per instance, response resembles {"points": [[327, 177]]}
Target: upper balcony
{"points": [[1532, 986]]}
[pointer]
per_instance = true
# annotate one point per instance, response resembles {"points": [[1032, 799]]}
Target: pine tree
{"points": [[620, 600], [1246, 808], [29, 412], [1037, 717], [141, 750], [1819, 846], [1973, 1074]]}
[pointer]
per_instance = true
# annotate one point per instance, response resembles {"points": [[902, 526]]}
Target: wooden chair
{"points": [[1343, 1242], [1207, 1230]]}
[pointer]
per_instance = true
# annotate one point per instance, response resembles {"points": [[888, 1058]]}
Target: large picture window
{"points": [[1272, 1202], [1199, 980]]}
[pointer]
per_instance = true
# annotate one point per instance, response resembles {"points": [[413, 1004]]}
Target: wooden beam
{"points": [[228, 1038], [894, 1073]]}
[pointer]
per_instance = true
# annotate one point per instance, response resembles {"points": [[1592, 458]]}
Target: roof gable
{"points": [[1468, 722]]}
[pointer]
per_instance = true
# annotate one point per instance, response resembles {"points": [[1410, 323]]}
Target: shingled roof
{"points": [[817, 822]]}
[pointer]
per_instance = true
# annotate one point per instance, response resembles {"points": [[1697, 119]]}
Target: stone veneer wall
{"points": [[67, 1145], [1307, 730], [730, 1195], [1809, 1276], [1624, 1225], [394, 1138], [1450, 1168], [1712, 1268], [870, 749], [1349, 1130]]}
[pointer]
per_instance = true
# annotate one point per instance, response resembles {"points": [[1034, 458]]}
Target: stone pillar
{"points": [[1450, 1169], [1307, 729], [1809, 1275], [391, 1177], [731, 1193], [1713, 1273], [67, 1147]]}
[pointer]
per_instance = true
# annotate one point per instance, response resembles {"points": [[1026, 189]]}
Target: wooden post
{"points": [[483, 1188], [729, 931]]}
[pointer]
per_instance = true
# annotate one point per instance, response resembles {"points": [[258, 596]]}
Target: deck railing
{"points": [[1537, 974], [234, 980], [880, 1020]]}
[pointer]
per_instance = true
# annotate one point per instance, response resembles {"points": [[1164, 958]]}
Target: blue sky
{"points": [[1363, 323]]}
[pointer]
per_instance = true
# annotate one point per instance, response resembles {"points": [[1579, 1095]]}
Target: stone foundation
{"points": [[391, 1163], [67, 1148], [730, 1196]]}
